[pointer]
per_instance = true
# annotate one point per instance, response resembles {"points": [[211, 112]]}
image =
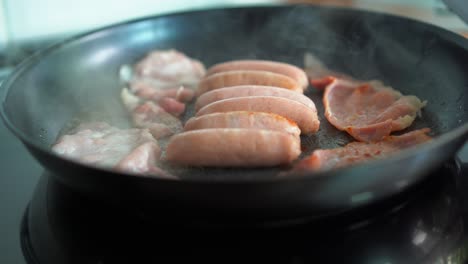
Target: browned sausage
{"points": [[234, 78], [243, 119], [289, 70], [250, 90], [233, 147], [305, 117]]}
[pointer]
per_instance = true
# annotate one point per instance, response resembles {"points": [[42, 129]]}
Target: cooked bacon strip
{"points": [[321, 83], [357, 152], [319, 74], [369, 112]]}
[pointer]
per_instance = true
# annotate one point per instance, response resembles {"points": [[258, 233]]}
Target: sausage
{"points": [[232, 147], [234, 78], [289, 70], [305, 117], [250, 90], [243, 119]]}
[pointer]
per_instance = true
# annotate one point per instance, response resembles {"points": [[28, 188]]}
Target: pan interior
{"points": [[79, 80]]}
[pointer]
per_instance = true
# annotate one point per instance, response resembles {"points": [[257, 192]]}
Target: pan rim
{"points": [[33, 59]]}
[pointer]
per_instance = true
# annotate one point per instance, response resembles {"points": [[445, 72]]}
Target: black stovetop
{"points": [[425, 225]]}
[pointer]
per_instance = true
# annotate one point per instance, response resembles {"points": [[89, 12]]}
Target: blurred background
{"points": [[26, 25], [24, 20]]}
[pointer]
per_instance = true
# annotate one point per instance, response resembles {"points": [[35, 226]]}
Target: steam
{"points": [[361, 47], [371, 46], [364, 47]]}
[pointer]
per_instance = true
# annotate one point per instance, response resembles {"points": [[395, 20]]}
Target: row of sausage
{"points": [[249, 113]]}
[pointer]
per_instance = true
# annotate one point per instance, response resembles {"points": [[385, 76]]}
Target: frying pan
{"points": [[459, 8], [77, 79]]}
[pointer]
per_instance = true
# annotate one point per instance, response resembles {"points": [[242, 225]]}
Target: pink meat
{"points": [[233, 147], [369, 112], [146, 91], [247, 77], [243, 119], [319, 74], [169, 69], [251, 90], [159, 122], [101, 145], [166, 77], [305, 117], [147, 114], [287, 69], [172, 106], [142, 160], [358, 152]]}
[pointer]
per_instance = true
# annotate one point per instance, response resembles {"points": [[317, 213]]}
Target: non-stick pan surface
{"points": [[79, 78]]}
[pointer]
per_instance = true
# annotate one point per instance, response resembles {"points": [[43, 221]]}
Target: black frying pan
{"points": [[78, 78]]}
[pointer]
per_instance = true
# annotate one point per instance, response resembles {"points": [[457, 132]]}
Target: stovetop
{"points": [[427, 224]]}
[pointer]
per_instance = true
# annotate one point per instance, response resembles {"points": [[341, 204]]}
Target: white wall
{"points": [[3, 26], [31, 19]]}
